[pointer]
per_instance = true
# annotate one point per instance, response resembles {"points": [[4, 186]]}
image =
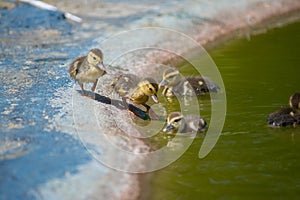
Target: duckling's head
{"points": [[95, 57], [171, 77], [295, 101], [149, 87], [174, 122]]}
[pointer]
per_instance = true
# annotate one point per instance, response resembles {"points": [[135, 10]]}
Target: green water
{"points": [[250, 160]]}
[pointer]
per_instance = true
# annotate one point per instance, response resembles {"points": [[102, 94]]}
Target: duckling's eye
{"points": [[151, 89], [177, 120], [94, 58]]}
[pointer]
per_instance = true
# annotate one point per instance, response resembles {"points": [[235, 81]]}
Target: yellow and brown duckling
{"points": [[87, 69], [286, 116], [176, 85], [176, 122], [137, 90]]}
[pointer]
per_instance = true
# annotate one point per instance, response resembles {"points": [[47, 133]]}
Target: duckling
{"points": [[175, 84], [288, 115], [295, 101], [176, 122], [86, 69], [130, 86]]}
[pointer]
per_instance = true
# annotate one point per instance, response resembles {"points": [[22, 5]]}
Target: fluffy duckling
{"points": [[130, 86], [86, 69], [175, 84], [288, 115], [176, 122], [294, 101]]}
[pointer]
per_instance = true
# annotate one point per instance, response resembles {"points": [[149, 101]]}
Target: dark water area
{"points": [[250, 160]]}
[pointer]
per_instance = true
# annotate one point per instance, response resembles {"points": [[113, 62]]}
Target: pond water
{"points": [[250, 160]]}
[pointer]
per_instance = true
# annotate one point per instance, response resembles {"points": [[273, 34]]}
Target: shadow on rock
{"points": [[120, 105]]}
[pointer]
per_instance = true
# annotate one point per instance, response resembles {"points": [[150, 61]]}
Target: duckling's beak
{"points": [[168, 128], [155, 99], [102, 67], [162, 83]]}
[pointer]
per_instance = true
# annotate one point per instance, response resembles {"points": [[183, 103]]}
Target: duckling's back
{"points": [[74, 67], [194, 124], [284, 117], [124, 84], [202, 85], [195, 85]]}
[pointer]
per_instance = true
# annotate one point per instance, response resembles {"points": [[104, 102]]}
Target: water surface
{"points": [[250, 160]]}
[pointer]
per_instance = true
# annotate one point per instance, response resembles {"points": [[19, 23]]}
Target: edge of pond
{"points": [[265, 21], [237, 27]]}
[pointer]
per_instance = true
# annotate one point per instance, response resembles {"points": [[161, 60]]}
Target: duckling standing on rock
{"points": [[176, 122], [137, 90], [288, 115], [175, 84], [85, 69]]}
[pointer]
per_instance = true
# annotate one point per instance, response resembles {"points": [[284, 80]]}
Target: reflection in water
{"points": [[250, 160]]}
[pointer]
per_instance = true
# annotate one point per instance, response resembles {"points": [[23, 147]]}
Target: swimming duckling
{"points": [[288, 115], [175, 84], [176, 122], [85, 69], [294, 101], [130, 86]]}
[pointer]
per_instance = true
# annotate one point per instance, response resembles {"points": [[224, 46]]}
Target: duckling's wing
{"points": [[297, 118], [74, 66], [125, 84], [282, 117], [195, 123], [190, 86], [202, 85]]}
